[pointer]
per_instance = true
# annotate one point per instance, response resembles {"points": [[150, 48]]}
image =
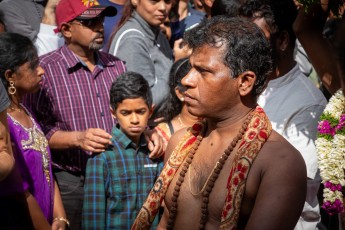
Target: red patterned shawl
{"points": [[255, 136]]}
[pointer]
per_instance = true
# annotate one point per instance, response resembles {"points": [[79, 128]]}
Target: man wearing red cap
{"points": [[73, 103]]}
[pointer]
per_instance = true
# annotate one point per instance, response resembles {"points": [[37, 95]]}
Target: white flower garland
{"points": [[330, 146]]}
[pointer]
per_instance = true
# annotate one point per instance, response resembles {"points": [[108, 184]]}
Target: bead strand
{"points": [[176, 193], [216, 172], [209, 183]]}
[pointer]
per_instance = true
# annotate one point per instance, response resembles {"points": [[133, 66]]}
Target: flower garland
{"points": [[330, 146]]}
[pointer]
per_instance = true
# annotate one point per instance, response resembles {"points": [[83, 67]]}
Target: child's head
{"points": [[131, 103]]}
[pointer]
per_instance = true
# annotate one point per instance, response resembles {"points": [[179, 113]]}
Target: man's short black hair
{"points": [[244, 46]]}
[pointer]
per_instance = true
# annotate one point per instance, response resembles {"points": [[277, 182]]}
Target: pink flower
{"points": [[325, 127]]}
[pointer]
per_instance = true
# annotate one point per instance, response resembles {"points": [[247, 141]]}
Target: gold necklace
{"points": [[205, 184], [19, 109], [180, 121]]}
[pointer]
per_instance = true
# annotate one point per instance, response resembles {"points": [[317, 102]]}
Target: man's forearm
{"points": [[64, 140]]}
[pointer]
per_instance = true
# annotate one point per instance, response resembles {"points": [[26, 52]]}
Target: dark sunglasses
{"points": [[90, 23]]}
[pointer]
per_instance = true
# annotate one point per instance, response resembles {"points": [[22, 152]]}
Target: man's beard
{"points": [[94, 45]]}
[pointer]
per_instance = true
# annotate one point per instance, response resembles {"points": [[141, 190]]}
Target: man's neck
{"points": [[285, 63], [85, 55], [231, 121]]}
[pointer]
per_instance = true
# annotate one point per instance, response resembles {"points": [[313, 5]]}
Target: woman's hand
{"points": [[155, 143]]}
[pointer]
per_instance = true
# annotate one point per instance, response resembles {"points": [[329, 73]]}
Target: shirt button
{"points": [[98, 95], [102, 114]]}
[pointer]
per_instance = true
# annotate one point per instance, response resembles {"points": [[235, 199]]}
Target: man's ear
{"points": [[112, 111], [283, 40], [246, 81], [66, 30]]}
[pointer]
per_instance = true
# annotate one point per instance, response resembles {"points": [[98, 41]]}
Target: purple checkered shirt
{"points": [[74, 99]]}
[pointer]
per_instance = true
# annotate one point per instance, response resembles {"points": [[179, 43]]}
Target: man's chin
{"points": [[96, 46]]}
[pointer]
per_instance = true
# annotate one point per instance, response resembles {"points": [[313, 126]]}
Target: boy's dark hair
{"points": [[130, 85]]}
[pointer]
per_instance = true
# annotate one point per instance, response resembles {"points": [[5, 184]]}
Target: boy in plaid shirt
{"points": [[119, 179]]}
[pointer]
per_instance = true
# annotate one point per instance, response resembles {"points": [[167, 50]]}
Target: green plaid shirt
{"points": [[117, 183]]}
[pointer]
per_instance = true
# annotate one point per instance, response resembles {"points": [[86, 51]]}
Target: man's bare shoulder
{"points": [[277, 148], [277, 179], [278, 159]]}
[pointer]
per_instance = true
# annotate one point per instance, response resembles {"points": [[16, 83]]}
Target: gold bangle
{"points": [[62, 219]]}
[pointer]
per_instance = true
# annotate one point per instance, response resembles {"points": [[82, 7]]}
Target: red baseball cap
{"points": [[67, 10]]}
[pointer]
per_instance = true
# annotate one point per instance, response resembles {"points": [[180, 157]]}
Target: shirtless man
{"points": [[262, 184]]}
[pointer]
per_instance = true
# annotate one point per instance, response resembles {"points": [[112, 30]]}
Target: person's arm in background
{"points": [[308, 28], [60, 221], [47, 39], [181, 50], [36, 214], [17, 21], [6, 156]]}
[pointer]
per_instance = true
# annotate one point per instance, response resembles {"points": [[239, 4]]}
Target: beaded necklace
{"points": [[209, 184]]}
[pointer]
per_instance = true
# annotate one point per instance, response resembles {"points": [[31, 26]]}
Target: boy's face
{"points": [[132, 115]]}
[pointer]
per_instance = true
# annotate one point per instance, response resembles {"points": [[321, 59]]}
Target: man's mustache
{"points": [[98, 35]]}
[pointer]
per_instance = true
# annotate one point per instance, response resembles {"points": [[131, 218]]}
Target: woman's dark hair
{"points": [[130, 85], [279, 15], [226, 7], [173, 106], [127, 12], [16, 50]]}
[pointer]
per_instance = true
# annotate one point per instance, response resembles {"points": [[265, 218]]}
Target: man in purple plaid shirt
{"points": [[73, 103]]}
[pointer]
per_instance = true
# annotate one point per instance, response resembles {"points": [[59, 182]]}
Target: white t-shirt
{"points": [[294, 105]]}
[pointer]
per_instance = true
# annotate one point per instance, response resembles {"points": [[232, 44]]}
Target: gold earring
{"points": [[12, 90], [181, 99]]}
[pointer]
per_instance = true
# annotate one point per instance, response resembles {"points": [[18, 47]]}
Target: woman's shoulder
{"points": [[131, 27]]}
